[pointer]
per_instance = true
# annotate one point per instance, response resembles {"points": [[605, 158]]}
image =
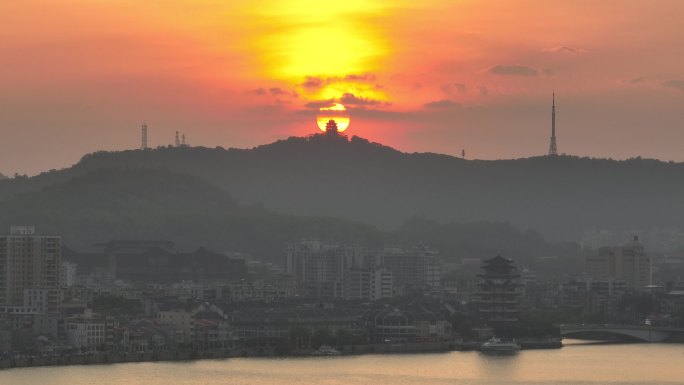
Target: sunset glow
{"points": [[337, 113], [431, 76]]}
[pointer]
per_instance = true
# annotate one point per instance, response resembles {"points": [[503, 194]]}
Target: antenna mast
{"points": [[553, 149], [143, 146]]}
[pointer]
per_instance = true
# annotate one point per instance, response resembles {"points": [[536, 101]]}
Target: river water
{"points": [[576, 363]]}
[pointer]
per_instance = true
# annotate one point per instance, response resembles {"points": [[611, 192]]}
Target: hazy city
{"points": [[295, 192]]}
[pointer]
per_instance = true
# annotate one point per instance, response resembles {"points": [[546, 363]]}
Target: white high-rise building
{"points": [[365, 284]]}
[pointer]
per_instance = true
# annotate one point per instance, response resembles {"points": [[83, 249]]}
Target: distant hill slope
{"points": [[2, 176], [368, 182], [159, 204]]}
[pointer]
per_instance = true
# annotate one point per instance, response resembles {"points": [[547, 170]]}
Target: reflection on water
{"points": [[576, 363]]}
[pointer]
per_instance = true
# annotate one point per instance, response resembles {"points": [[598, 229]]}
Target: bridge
{"points": [[642, 333]]}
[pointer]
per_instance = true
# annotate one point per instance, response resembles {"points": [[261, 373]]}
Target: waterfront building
{"points": [[296, 324], [410, 323], [30, 261], [86, 332], [498, 295], [628, 263], [186, 325]]}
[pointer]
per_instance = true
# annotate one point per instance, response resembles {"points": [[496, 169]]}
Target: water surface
{"points": [[574, 364]]}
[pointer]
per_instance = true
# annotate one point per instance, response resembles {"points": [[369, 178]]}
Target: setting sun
{"points": [[337, 113]]}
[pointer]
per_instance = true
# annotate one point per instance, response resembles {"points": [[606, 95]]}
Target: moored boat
{"points": [[500, 346], [326, 350]]}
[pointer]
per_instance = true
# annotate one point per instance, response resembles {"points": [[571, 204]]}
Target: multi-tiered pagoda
{"points": [[498, 297]]}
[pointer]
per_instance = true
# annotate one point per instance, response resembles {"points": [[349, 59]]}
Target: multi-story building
{"points": [[415, 268], [365, 284], [318, 266], [628, 263], [36, 299], [29, 261], [86, 332], [413, 323], [67, 274], [498, 296], [259, 290]]}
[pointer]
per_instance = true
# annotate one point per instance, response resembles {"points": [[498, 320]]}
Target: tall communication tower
{"points": [[553, 150], [143, 146], [177, 140]]}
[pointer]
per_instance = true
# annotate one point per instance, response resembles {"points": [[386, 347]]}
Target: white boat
{"points": [[326, 350], [500, 346]]}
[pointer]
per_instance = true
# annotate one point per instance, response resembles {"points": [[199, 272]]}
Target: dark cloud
{"points": [[442, 104], [484, 91], [316, 82], [275, 91], [450, 88], [360, 78], [677, 84], [514, 70], [317, 104], [349, 99], [313, 82]]}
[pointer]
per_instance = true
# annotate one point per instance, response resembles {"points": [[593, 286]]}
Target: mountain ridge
{"points": [[368, 182]]}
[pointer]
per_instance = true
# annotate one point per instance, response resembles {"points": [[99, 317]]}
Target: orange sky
{"points": [[78, 76]]}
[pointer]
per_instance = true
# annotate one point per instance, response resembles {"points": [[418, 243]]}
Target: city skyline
{"points": [[436, 77]]}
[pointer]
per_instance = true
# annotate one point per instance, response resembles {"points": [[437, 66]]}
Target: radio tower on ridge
{"points": [[143, 146], [553, 150]]}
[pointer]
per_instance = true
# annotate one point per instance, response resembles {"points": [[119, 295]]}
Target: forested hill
{"points": [[159, 204], [368, 182]]}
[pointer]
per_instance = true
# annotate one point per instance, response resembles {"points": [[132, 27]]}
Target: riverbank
{"points": [[114, 358]]}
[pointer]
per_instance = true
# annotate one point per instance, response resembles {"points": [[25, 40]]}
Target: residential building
{"points": [[628, 263], [29, 261], [86, 332], [318, 266], [416, 268], [67, 274], [36, 299], [365, 284]]}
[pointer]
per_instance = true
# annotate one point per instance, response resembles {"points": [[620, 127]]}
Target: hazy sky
{"points": [[78, 76]]}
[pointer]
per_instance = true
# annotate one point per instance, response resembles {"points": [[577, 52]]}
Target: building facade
{"points": [[318, 266], [365, 284], [628, 263], [29, 261]]}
